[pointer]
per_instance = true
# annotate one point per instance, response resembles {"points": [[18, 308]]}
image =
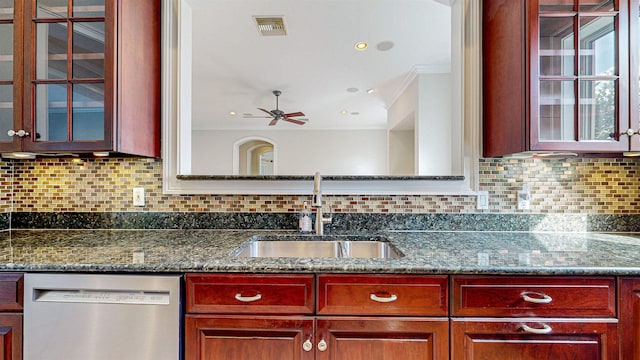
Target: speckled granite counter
{"points": [[425, 252]]}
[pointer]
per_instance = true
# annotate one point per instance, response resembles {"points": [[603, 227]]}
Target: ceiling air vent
{"points": [[270, 25]]}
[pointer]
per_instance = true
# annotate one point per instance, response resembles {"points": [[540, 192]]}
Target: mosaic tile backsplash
{"points": [[558, 186]]}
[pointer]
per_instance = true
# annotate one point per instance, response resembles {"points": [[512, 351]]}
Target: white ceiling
{"points": [[236, 69]]}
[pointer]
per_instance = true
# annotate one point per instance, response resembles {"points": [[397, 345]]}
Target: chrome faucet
{"points": [[317, 204]]}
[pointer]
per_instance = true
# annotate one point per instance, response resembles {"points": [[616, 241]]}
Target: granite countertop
{"points": [[425, 253]]}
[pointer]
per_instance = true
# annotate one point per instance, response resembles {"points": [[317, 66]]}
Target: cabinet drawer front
{"points": [[534, 338], [533, 296], [255, 294], [410, 295], [11, 292]]}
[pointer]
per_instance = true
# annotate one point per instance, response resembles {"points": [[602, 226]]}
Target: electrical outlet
{"points": [[138, 196], [482, 200], [524, 199]]}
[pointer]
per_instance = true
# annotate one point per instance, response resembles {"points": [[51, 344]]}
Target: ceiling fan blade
{"points": [[296, 121], [267, 111], [294, 114], [273, 122]]}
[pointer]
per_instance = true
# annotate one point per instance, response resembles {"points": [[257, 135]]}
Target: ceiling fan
{"points": [[277, 114]]}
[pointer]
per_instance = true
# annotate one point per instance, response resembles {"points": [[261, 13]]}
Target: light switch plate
{"points": [[524, 200], [138, 196], [482, 200]]}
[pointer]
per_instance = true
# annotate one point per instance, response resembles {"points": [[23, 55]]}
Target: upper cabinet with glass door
{"points": [[576, 64], [10, 69], [91, 76]]}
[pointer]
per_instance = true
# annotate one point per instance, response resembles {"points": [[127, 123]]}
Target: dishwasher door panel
{"points": [[101, 317]]}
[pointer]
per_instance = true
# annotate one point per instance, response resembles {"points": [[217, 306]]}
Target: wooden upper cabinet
{"points": [[90, 78], [557, 76]]}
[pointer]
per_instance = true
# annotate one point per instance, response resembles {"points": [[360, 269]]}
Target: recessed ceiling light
{"points": [[344, 112], [233, 113], [352, 90], [361, 46], [369, 91]]}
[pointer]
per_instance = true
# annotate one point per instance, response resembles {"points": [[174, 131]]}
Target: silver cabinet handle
{"points": [[546, 329], [19, 133], [239, 297], [536, 298], [307, 345], [388, 299], [322, 345]]}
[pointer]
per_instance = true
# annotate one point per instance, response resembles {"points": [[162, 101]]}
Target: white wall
{"points": [[300, 152], [434, 126]]}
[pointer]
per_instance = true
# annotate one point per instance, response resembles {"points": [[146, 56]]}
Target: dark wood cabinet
{"points": [[629, 289], [274, 316], [214, 337], [513, 339], [541, 317], [11, 307], [379, 338], [557, 76], [86, 78]]}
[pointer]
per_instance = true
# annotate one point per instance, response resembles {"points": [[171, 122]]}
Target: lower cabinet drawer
{"points": [[250, 293], [533, 296], [534, 338], [11, 292], [406, 295]]}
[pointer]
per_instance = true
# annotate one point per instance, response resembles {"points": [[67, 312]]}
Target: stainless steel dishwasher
{"points": [[101, 317]]}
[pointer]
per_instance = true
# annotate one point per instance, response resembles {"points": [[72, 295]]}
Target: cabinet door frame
{"points": [[634, 61], [622, 89], [296, 328], [332, 330], [30, 142], [18, 68]]}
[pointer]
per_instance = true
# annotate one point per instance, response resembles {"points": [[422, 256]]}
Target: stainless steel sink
{"points": [[331, 248]]}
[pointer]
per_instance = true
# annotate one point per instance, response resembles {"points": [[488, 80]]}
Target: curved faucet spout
{"points": [[317, 204]]}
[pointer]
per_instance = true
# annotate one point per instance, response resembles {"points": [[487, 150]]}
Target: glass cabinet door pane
{"points": [[47, 9], [597, 46], [51, 51], [6, 51], [596, 5], [557, 50], [88, 50], [88, 112], [556, 5], [6, 9], [6, 111], [88, 8], [597, 109], [557, 101], [51, 112]]}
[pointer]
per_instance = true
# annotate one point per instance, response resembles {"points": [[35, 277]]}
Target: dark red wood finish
{"points": [[504, 339], [504, 30], [629, 289], [377, 338], [502, 296], [18, 66], [11, 292], [350, 295], [214, 337], [10, 336], [131, 82], [280, 294]]}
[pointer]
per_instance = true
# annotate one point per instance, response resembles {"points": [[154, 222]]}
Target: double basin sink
{"points": [[310, 246]]}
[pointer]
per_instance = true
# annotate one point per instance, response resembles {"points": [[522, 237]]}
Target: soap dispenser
{"points": [[304, 219]]}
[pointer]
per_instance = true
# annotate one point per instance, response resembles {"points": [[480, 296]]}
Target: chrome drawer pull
{"points": [[538, 299], [546, 329], [239, 297], [377, 298]]}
